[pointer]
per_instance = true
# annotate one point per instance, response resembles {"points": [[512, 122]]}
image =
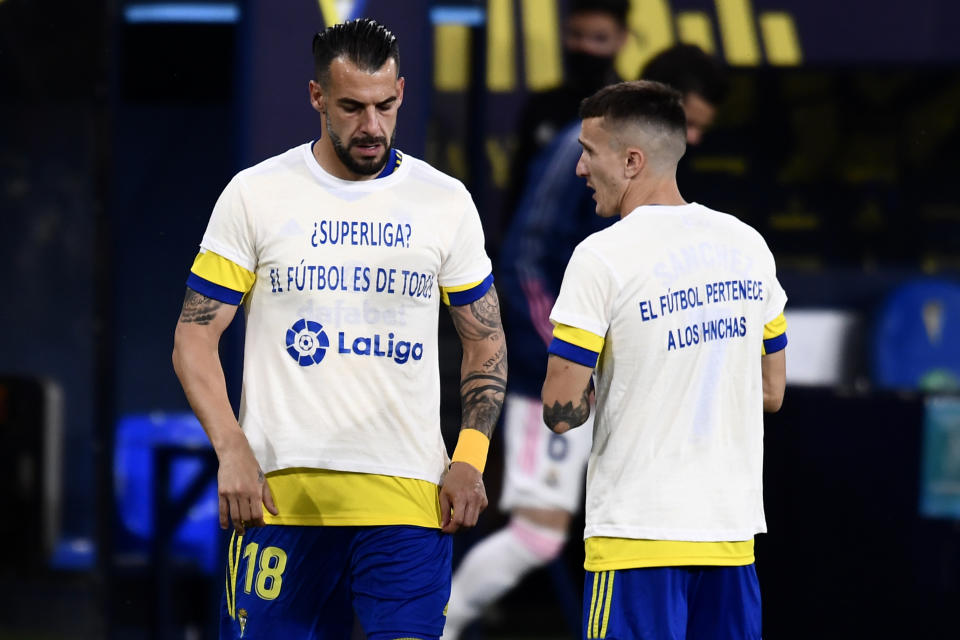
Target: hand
{"points": [[242, 489], [462, 497]]}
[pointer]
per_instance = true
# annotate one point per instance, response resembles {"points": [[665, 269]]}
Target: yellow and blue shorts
{"points": [[307, 581], [665, 603]]}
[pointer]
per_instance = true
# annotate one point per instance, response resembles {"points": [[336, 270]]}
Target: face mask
{"points": [[587, 72]]}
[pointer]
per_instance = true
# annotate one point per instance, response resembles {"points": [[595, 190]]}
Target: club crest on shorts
{"points": [[307, 342]]}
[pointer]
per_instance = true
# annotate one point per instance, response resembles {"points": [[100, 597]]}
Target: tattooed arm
{"points": [[566, 394], [483, 373], [483, 381], [196, 359]]}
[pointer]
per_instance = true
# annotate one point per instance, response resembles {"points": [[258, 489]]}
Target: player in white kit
{"points": [[335, 476], [679, 310]]}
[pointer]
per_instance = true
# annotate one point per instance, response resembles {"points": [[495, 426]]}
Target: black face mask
{"points": [[587, 72]]}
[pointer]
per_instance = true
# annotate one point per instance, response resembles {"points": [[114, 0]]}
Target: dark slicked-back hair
{"points": [[364, 42], [641, 101], [618, 9], [689, 69]]}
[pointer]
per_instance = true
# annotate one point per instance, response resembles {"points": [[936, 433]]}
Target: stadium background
{"points": [[121, 121]]}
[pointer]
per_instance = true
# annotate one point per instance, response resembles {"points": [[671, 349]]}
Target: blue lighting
{"points": [[216, 13], [467, 16]]}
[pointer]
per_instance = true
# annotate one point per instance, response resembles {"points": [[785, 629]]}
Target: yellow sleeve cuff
{"points": [[578, 337], [221, 271], [775, 327], [774, 335]]}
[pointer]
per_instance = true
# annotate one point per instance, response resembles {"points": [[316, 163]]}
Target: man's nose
{"points": [[582, 168], [369, 122]]}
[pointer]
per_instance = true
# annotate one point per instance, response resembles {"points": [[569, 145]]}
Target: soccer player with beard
{"points": [[335, 476]]}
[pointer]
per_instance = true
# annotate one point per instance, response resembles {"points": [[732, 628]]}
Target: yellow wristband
{"points": [[472, 447]]}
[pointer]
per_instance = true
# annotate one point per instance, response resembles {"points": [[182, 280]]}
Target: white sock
{"points": [[494, 566]]}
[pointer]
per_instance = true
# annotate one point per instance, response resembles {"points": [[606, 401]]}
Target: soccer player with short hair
{"points": [[543, 471], [340, 251], [677, 309]]}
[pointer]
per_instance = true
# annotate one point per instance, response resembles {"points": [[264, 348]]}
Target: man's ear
{"points": [[317, 99], [634, 163]]}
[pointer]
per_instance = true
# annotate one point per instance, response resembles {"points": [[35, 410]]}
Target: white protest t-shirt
{"points": [[680, 296], [340, 364]]}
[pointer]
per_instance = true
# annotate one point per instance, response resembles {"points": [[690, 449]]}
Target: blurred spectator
{"points": [[594, 31], [701, 78]]}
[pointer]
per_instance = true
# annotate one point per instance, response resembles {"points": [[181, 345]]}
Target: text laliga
{"points": [[400, 351]]}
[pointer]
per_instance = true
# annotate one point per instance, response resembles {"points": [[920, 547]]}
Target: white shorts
{"points": [[542, 469]]}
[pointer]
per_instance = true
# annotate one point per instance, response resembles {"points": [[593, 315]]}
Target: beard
{"points": [[366, 166]]}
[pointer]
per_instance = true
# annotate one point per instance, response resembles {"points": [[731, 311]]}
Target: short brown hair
{"points": [[642, 101]]}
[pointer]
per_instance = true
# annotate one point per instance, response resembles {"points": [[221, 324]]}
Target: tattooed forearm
{"points": [[497, 363], [480, 319], [481, 397], [484, 371], [569, 414], [487, 309], [198, 308]]}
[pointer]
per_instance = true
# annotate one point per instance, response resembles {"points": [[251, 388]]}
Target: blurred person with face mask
{"points": [[594, 32]]}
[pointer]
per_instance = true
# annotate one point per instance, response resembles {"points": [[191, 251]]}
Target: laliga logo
{"points": [[400, 350], [306, 342]]}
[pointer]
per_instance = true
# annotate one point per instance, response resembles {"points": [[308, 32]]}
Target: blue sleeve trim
{"points": [[777, 343], [573, 353], [459, 298], [213, 290]]}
